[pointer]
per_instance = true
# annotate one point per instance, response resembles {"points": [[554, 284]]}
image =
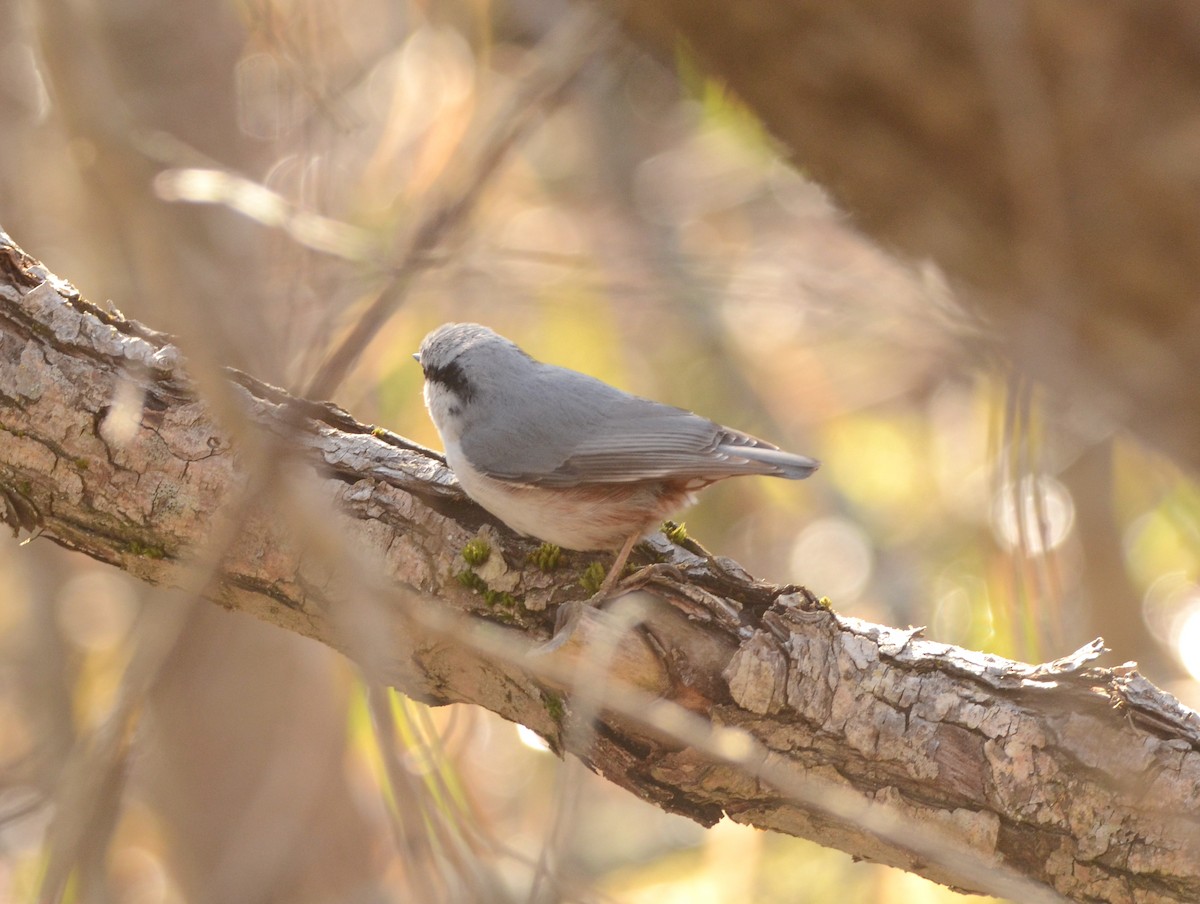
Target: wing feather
{"points": [[573, 430]]}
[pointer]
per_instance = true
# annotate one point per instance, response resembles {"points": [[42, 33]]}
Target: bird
{"points": [[566, 458]]}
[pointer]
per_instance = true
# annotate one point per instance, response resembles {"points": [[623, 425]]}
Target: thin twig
{"points": [[571, 47], [94, 778]]}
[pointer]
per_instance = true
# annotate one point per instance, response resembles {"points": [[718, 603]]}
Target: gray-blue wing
{"points": [[582, 431]]}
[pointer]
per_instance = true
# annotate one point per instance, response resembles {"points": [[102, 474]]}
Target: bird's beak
{"points": [[417, 357]]}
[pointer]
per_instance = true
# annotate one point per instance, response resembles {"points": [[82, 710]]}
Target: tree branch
{"points": [[1053, 177], [734, 696]]}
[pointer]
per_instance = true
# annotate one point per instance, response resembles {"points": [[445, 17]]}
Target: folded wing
{"points": [[606, 436]]}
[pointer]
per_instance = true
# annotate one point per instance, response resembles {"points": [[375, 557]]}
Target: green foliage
{"points": [[496, 599], [554, 706], [501, 599], [476, 552], [719, 105], [592, 577], [676, 533], [145, 550], [471, 581], [546, 557]]}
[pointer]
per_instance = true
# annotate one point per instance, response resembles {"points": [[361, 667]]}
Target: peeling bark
{"points": [[1083, 780]]}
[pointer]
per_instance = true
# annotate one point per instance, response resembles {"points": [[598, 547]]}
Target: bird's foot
{"points": [[649, 573], [615, 584]]}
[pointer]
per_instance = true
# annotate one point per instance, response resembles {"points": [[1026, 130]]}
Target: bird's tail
{"points": [[783, 464]]}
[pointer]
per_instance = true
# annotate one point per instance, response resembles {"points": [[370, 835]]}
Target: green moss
{"points": [[145, 550], [378, 431], [676, 533], [476, 552], [500, 599], [495, 599], [592, 577], [471, 581], [81, 464], [554, 706], [825, 603], [546, 557]]}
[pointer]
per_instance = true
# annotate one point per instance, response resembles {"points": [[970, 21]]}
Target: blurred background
{"points": [[246, 175]]}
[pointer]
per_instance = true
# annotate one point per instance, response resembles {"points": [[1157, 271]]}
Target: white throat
{"points": [[446, 411]]}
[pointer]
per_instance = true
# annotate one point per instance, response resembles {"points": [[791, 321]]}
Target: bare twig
{"points": [[568, 50]]}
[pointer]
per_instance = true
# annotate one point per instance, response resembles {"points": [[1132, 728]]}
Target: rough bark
{"points": [[967, 768], [1045, 154]]}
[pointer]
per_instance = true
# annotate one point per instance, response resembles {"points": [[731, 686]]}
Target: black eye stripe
{"points": [[453, 378]]}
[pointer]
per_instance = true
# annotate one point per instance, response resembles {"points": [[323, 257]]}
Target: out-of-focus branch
{"points": [[1036, 782], [568, 50], [1044, 154]]}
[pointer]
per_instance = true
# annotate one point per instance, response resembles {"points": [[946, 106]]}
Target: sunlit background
{"points": [[245, 174]]}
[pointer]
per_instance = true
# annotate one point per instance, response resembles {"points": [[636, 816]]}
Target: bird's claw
{"points": [[647, 574]]}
